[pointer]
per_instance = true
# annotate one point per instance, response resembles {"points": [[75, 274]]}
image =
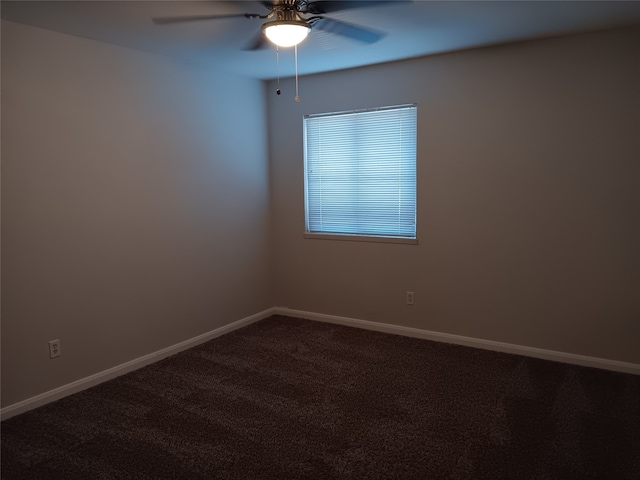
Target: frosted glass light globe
{"points": [[286, 34]]}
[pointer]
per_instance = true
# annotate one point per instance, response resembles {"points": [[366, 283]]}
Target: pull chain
{"points": [[296, 53], [278, 68]]}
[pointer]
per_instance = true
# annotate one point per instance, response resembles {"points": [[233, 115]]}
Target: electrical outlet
{"points": [[55, 348], [410, 298]]}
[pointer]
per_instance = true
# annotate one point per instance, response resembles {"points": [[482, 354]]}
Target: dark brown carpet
{"points": [[293, 399]]}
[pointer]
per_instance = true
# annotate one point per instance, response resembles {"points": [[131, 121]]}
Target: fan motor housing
{"points": [[287, 16]]}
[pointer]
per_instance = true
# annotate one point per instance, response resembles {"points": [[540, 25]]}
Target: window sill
{"points": [[360, 238]]}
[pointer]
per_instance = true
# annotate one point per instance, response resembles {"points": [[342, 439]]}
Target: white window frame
{"points": [[410, 160]]}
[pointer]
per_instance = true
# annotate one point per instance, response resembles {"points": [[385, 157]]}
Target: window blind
{"points": [[360, 172]]}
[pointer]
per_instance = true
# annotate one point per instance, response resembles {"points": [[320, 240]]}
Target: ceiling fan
{"points": [[290, 21]]}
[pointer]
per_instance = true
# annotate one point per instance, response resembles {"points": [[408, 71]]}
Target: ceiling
{"points": [[412, 29]]}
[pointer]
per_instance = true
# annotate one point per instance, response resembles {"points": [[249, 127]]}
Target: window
{"points": [[360, 173]]}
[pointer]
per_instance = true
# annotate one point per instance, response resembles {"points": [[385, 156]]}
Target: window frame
{"points": [[361, 237]]}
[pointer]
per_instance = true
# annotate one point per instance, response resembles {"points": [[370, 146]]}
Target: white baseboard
{"points": [[563, 357], [95, 379]]}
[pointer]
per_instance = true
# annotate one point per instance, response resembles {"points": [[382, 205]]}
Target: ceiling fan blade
{"points": [[329, 6], [258, 42], [348, 30], [195, 18]]}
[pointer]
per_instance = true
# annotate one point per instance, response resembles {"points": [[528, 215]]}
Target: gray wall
{"points": [[528, 197], [135, 209]]}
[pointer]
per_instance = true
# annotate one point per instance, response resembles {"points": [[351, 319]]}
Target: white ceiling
{"points": [[413, 29]]}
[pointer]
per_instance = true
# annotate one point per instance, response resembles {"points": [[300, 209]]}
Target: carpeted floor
{"points": [[293, 399]]}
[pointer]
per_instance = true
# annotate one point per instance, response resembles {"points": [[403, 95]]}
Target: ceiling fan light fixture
{"points": [[286, 33]]}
